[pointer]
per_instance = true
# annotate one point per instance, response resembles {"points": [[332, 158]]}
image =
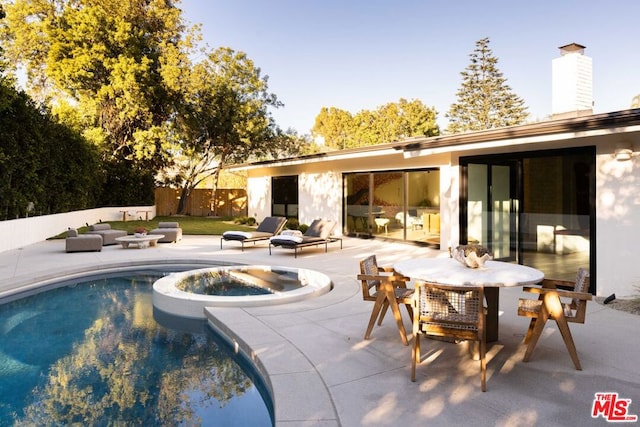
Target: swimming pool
{"points": [[90, 352]]}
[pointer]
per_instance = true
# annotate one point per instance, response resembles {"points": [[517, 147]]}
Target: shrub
{"points": [[241, 220], [292, 224], [303, 228]]}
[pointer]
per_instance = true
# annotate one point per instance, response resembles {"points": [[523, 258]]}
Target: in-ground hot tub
{"points": [[187, 293]]}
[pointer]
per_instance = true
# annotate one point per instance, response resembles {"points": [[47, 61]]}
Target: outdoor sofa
{"points": [[170, 230], [318, 233], [108, 234], [269, 227], [82, 242]]}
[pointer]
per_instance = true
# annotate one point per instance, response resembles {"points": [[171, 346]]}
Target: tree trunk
{"points": [[185, 193], [214, 187]]}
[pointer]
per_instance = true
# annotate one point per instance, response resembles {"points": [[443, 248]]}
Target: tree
{"points": [[485, 101], [116, 62], [224, 119], [45, 167], [335, 126], [390, 122]]}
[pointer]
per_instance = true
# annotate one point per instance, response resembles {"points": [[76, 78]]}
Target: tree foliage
{"points": [[223, 119], [123, 74], [109, 59], [390, 122], [45, 167], [485, 100]]}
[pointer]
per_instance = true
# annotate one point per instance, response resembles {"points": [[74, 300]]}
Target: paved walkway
{"points": [[324, 374]]}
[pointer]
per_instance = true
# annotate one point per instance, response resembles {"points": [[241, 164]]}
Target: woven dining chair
{"points": [[455, 312], [386, 288], [550, 305]]}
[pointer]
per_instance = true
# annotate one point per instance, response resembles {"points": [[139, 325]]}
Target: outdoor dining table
{"points": [[492, 276]]}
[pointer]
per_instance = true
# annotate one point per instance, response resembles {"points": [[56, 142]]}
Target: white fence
{"points": [[17, 233]]}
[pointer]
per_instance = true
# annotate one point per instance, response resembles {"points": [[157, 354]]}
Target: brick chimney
{"points": [[571, 83]]}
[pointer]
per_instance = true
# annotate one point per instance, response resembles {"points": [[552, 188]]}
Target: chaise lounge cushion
{"points": [[269, 227], [319, 232], [82, 242], [109, 235], [171, 231]]}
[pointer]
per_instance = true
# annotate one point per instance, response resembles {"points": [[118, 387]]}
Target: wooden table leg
{"points": [[492, 294]]}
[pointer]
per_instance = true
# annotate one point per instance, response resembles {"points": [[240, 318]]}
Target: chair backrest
{"points": [[272, 224], [369, 266], [582, 285], [320, 228], [455, 311], [168, 225]]}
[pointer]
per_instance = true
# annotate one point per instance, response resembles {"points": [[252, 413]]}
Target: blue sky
{"points": [[358, 55]]}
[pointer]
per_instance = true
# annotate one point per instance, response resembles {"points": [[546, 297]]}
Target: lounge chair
{"points": [[82, 242], [109, 235], [318, 233], [170, 230], [269, 227]]}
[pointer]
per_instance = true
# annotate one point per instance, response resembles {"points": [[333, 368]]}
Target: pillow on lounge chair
{"points": [[287, 238], [72, 232]]}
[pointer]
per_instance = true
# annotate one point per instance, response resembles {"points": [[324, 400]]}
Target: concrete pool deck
{"points": [[324, 374]]}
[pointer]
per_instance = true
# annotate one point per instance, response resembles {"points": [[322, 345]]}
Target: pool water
{"points": [[240, 281], [91, 353]]}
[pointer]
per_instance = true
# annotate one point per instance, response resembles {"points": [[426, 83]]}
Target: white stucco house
{"points": [[554, 195]]}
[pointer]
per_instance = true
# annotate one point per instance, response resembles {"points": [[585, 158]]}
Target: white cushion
{"points": [[287, 237]]}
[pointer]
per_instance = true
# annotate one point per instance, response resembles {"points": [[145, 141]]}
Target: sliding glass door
{"points": [[534, 208], [492, 208], [402, 205]]}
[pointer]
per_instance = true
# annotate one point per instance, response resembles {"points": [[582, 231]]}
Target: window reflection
{"points": [[401, 205]]}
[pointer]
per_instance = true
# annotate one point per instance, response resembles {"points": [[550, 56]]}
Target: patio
{"points": [[324, 374]]}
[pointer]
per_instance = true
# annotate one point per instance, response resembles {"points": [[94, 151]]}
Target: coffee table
{"points": [[139, 242]]}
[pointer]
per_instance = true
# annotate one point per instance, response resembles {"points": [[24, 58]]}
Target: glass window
{"points": [[395, 204], [284, 190], [533, 208]]}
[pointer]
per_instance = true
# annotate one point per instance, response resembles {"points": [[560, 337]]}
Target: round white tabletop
{"points": [[492, 276], [448, 271]]}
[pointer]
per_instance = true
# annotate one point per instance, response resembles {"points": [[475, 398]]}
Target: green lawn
{"points": [[190, 225]]}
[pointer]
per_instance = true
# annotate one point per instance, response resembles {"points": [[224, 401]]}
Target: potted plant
{"points": [[139, 232]]}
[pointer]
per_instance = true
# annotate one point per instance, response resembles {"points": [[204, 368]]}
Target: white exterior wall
{"points": [[17, 233], [259, 197], [617, 225], [617, 191], [449, 207], [320, 196]]}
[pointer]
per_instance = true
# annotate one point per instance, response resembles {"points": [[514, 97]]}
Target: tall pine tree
{"points": [[485, 101]]}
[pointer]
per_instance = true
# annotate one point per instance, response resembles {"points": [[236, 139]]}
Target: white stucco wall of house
{"points": [[259, 200], [449, 207], [617, 194], [617, 225], [320, 196]]}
